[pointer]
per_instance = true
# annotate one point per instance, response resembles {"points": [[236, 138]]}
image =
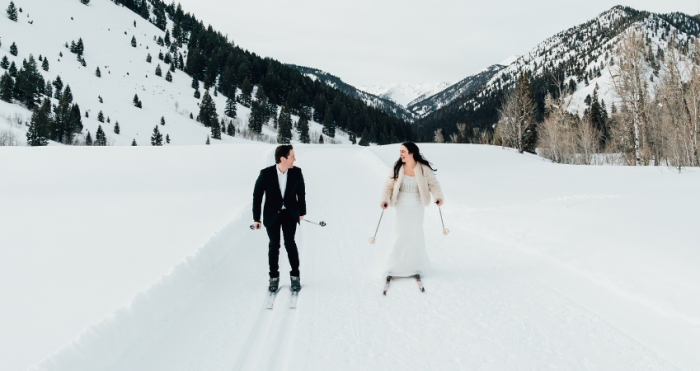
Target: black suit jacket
{"points": [[294, 197]]}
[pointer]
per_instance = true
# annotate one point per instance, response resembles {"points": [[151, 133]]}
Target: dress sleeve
{"points": [[433, 184], [387, 189]]}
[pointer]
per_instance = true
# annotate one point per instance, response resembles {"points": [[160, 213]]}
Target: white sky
{"points": [[380, 42]]}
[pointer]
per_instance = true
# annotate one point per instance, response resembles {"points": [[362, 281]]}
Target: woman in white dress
{"points": [[408, 189]]}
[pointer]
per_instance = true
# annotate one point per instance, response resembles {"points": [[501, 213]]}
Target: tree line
{"points": [[224, 67]]}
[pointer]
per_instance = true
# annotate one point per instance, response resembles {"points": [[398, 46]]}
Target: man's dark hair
{"points": [[282, 151]]}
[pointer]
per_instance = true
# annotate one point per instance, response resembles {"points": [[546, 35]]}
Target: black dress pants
{"points": [[286, 222]]}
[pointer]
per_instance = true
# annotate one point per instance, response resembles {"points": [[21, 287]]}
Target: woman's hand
{"points": [[383, 205], [438, 202]]}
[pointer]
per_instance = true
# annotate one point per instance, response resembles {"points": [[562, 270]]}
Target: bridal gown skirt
{"points": [[405, 255]]}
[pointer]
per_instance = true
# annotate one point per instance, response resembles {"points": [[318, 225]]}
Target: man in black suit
{"points": [[285, 206]]}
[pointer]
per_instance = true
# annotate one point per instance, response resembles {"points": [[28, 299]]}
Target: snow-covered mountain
{"points": [[582, 53], [45, 31], [384, 104], [407, 93], [432, 103]]}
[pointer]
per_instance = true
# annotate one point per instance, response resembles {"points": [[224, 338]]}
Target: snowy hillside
{"points": [[106, 30], [384, 104], [405, 94], [546, 267], [434, 102], [583, 53], [591, 53]]}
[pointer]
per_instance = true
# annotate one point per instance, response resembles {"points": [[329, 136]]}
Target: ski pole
{"points": [[445, 231], [371, 239], [321, 223]]}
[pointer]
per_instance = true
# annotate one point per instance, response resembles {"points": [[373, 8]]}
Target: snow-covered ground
{"points": [[143, 257]]}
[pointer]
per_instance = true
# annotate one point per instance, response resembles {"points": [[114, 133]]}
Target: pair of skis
{"points": [[273, 295], [418, 281]]}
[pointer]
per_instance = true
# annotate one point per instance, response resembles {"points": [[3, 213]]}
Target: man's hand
{"points": [[301, 217], [256, 225]]}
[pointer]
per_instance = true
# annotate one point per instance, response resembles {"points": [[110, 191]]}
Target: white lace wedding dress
{"points": [[405, 255]]}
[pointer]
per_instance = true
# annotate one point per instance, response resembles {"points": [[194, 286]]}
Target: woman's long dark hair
{"points": [[412, 150]]}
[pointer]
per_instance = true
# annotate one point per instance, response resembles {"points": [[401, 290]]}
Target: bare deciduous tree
{"points": [[629, 77]]}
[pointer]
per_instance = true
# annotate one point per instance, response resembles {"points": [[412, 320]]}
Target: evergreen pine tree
{"points": [[196, 94], [195, 83], [133, 41], [85, 2], [167, 138], [45, 65], [137, 102], [246, 91], [167, 38], [208, 142], [158, 70], [48, 89], [143, 10], [12, 12], [216, 130], [79, 47], [67, 94], [156, 137], [6, 87], [230, 110], [364, 139], [373, 138], [98, 73], [172, 67], [58, 84], [304, 130], [167, 58], [133, 141], [168, 77], [159, 13], [29, 84], [100, 117], [37, 127], [320, 139], [99, 97], [148, 58], [13, 69], [162, 120], [5, 64], [230, 130], [116, 128], [88, 139], [160, 56], [13, 49], [255, 121], [328, 123], [100, 137], [207, 113], [284, 131]]}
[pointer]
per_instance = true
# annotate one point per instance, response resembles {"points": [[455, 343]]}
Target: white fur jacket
{"points": [[427, 184]]}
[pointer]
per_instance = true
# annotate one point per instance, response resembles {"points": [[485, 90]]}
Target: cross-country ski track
{"points": [[546, 267]]}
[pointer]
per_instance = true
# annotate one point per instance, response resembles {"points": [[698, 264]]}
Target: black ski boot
{"points": [[274, 284], [296, 283]]}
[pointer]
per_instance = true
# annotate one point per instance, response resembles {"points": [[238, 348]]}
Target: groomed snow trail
{"points": [[498, 297]]}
